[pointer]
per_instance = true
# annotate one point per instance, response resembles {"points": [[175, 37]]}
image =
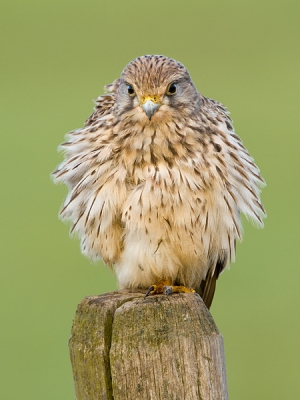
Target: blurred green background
{"points": [[56, 57]]}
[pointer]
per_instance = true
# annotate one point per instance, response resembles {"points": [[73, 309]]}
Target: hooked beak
{"points": [[150, 107]]}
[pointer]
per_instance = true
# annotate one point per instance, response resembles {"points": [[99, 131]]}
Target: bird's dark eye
{"points": [[130, 90], [171, 89]]}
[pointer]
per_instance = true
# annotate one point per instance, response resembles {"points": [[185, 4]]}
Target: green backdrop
{"points": [[56, 56]]}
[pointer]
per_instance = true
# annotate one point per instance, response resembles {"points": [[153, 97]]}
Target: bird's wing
{"points": [[104, 103], [241, 187], [208, 286], [90, 171]]}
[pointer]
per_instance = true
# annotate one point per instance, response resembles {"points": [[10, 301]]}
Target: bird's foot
{"points": [[167, 288]]}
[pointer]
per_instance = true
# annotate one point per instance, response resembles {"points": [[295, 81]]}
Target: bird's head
{"points": [[155, 88]]}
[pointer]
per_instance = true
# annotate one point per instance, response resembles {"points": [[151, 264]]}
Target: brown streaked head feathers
{"points": [[148, 73]]}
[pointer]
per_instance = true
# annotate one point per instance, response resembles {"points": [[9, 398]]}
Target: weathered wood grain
{"points": [[163, 347]]}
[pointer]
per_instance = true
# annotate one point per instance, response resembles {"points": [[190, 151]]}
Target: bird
{"points": [[158, 180]]}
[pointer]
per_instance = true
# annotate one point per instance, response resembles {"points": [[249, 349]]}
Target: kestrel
{"points": [[158, 180]]}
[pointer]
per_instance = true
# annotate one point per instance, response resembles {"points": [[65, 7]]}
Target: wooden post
{"points": [[125, 347]]}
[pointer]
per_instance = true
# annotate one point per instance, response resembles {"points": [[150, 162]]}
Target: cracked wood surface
{"points": [[163, 347]]}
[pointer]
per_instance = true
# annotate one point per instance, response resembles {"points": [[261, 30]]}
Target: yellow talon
{"points": [[167, 288], [151, 290]]}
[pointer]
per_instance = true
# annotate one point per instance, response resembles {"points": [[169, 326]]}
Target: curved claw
{"points": [[149, 290], [168, 290], [165, 288]]}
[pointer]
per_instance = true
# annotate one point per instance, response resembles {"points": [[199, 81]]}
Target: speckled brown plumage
{"points": [[158, 180]]}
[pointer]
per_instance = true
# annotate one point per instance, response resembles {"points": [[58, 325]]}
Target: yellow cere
{"points": [[152, 98]]}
